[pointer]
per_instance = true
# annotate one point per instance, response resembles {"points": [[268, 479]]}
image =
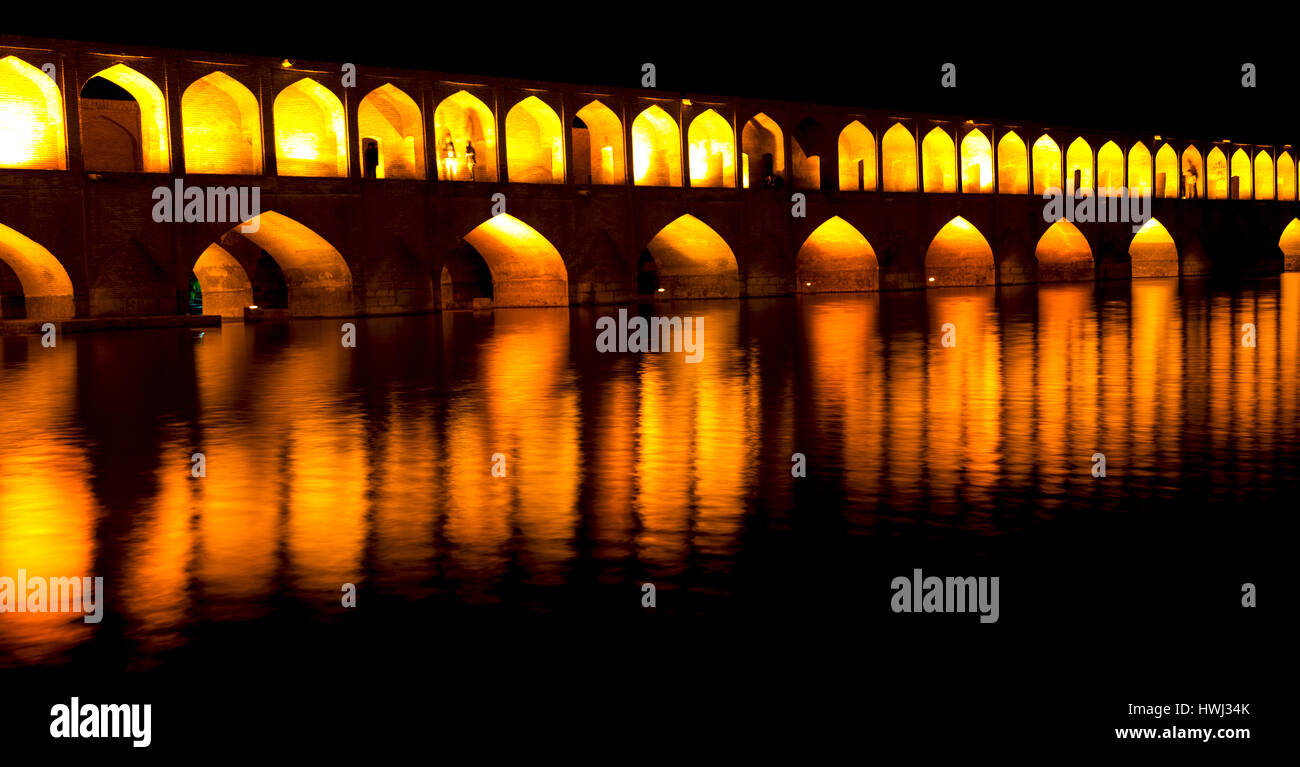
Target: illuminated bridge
{"points": [[377, 198]]}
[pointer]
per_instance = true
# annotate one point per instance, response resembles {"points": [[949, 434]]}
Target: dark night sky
{"points": [[1085, 77]]}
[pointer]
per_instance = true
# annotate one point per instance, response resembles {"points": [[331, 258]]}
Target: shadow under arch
{"points": [[32, 134], [1153, 252], [958, 256], [836, 258], [317, 278], [690, 260], [1063, 254], [46, 287], [520, 266]]}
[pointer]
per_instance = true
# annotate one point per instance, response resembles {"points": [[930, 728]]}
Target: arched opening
{"points": [[597, 145], [1047, 165], [1153, 252], [1013, 165], [898, 160], [1240, 186], [124, 123], [712, 150], [1193, 172], [763, 144], [958, 255], [1167, 174], [807, 169], [938, 155], [690, 260], [524, 268], [534, 143], [1139, 169], [1290, 246], [857, 156], [1263, 176], [1110, 169], [1217, 179], [297, 269], [1078, 166], [466, 147], [222, 126], [976, 163], [836, 258], [1063, 254], [35, 285], [656, 149], [223, 284], [31, 134], [1285, 177], [392, 134], [309, 131]]}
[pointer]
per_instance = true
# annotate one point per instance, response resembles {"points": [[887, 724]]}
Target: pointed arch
{"points": [[857, 158], [1110, 169], [958, 255], [1153, 252], [976, 163], [693, 261], [760, 139], [227, 290], [1264, 176], [939, 161], [309, 131], [154, 147], [318, 279], [1242, 173], [534, 143], [1013, 165], [465, 136], [32, 133], [1139, 169], [1078, 166], [1193, 173], [598, 146], [222, 126], [1063, 254], [1217, 175], [525, 268], [898, 159], [1167, 175], [1286, 168], [1289, 243], [656, 149], [391, 118], [1047, 165], [836, 258], [712, 147], [47, 289]]}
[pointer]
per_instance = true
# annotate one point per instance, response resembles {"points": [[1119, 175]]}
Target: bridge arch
{"points": [[534, 143], [1166, 177], [1264, 178], [976, 163], [317, 278], [46, 286], [760, 139], [1289, 243], [836, 258], [688, 259], [1285, 176], [1013, 165], [32, 134], [898, 159], [598, 146], [857, 158], [508, 262], [938, 161], [1193, 170], [460, 123], [107, 134], [807, 143], [310, 132], [1218, 176], [1047, 165], [1110, 168], [391, 119], [223, 282], [1139, 169], [1153, 252], [712, 151], [1241, 171], [221, 126], [1063, 254], [656, 149], [1078, 166], [958, 255]]}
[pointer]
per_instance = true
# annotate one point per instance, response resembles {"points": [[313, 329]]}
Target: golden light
{"points": [[898, 160], [1063, 254], [526, 268], [838, 258], [222, 127], [694, 260], [154, 138], [1264, 178], [1013, 165], [286, 63], [462, 121], [960, 255], [1110, 169], [391, 118], [1286, 171], [225, 285], [534, 143], [598, 150], [1166, 173], [1078, 166], [976, 163], [857, 158], [318, 278], [310, 134], [1153, 252], [656, 149], [712, 151], [46, 285], [939, 160], [1241, 172], [1217, 174], [1047, 164], [762, 140], [1194, 172], [31, 118], [1139, 169]]}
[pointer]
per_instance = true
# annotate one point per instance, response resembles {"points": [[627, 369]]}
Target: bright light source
{"points": [[931, 279], [286, 63], [661, 290], [807, 284], [254, 306]]}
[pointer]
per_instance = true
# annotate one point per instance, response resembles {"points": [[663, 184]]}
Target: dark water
{"points": [[373, 466]]}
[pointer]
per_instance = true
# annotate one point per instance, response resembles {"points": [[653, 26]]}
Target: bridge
{"points": [[379, 189]]}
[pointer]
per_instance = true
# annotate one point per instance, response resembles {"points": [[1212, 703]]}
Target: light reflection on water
{"points": [[372, 465]]}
